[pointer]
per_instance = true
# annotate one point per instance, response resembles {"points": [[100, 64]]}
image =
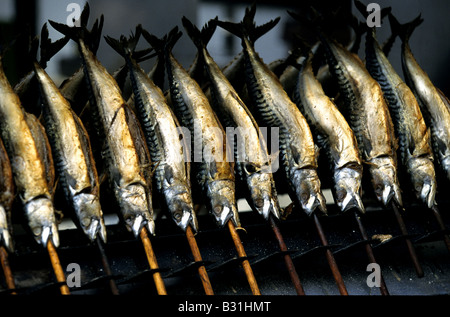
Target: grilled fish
{"points": [[161, 130], [6, 198], [413, 135], [334, 135], [73, 157], [211, 157], [433, 103], [367, 113], [276, 109], [29, 170], [125, 152], [251, 154]]}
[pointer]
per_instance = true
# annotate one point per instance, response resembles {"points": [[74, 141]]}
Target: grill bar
{"points": [[287, 258], [330, 258], [411, 250]]}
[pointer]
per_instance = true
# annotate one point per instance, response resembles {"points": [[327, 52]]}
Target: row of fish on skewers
{"points": [[132, 141]]}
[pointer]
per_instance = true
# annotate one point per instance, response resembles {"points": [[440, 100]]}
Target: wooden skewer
{"points": [[245, 263], [7, 270], [107, 268], [411, 250], [330, 258], [441, 226], [287, 258], [369, 251], [151, 257], [57, 269], [198, 258]]}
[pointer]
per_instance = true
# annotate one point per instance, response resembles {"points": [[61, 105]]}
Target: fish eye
{"points": [[250, 168]]}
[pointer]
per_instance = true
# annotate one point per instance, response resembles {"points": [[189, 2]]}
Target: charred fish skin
{"points": [[433, 104], [73, 157], [335, 136], [128, 172], [412, 133], [6, 198], [368, 115], [161, 130], [297, 148], [27, 166], [214, 172], [251, 154]]}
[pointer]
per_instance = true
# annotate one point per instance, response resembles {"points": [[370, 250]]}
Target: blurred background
{"points": [[429, 42]]}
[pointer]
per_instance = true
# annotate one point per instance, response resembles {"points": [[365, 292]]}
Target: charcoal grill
{"points": [[130, 270], [33, 274]]}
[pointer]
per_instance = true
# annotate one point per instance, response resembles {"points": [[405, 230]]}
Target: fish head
{"points": [[136, 207], [40, 213], [348, 188], [89, 212], [384, 180], [222, 200], [307, 187], [263, 196], [423, 179], [180, 205]]}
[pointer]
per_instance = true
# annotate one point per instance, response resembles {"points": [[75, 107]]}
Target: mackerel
{"points": [[28, 167], [161, 129], [367, 112], [433, 103], [276, 109], [211, 157], [334, 135], [124, 152], [73, 157], [251, 154], [413, 134]]}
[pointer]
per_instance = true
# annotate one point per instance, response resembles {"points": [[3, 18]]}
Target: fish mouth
{"points": [[385, 182], [423, 178], [267, 206], [88, 210], [306, 185], [348, 189], [5, 235], [222, 199], [136, 208], [263, 195], [182, 211], [41, 219]]}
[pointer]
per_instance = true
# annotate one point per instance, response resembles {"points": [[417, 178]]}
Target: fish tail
{"points": [[405, 30], [363, 10], [76, 33], [126, 47], [247, 27], [48, 49], [200, 38], [164, 44]]}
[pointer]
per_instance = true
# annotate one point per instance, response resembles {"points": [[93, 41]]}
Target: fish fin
{"points": [[203, 36], [405, 30]]}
